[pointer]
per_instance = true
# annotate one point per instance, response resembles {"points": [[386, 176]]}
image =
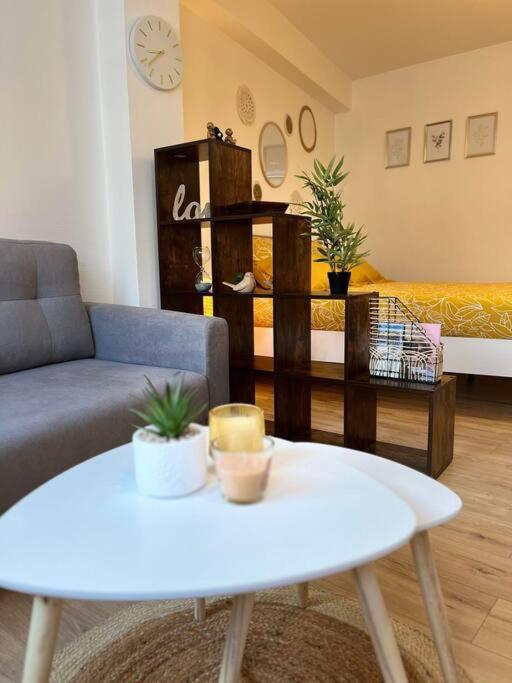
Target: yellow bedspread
{"points": [[464, 310]]}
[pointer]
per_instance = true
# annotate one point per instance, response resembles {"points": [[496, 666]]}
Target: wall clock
{"points": [[156, 52]]}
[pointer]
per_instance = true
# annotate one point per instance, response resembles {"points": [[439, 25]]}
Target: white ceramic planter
{"points": [[171, 468]]}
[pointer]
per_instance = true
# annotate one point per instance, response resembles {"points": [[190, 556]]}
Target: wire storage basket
{"points": [[399, 345]]}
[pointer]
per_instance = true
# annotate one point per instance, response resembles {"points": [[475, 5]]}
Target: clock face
{"points": [[156, 52]]}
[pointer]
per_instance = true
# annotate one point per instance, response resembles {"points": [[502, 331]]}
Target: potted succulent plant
{"points": [[170, 451], [340, 244]]}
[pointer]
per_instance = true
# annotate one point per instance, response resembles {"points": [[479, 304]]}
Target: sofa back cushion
{"points": [[42, 317]]}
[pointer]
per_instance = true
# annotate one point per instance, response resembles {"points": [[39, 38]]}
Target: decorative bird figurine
{"points": [[245, 286]]}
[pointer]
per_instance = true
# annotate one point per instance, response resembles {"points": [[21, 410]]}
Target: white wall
{"points": [[115, 111], [156, 120], [77, 133], [448, 220], [52, 180]]}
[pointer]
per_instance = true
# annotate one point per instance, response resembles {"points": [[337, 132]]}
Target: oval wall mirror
{"points": [[307, 129], [273, 154]]}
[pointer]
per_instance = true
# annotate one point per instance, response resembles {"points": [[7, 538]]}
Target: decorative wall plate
{"points": [[245, 105], [288, 124], [295, 198], [257, 192], [307, 129]]}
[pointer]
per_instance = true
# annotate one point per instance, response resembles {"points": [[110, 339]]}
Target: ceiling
{"points": [[366, 37]]}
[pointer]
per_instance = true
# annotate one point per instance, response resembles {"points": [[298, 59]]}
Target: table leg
{"points": [[235, 640], [303, 592], [434, 604], [44, 626], [379, 625], [199, 609]]}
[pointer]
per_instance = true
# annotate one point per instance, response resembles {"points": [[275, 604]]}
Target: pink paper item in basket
{"points": [[433, 332]]}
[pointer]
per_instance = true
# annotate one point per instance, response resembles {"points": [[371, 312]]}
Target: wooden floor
{"points": [[474, 553]]}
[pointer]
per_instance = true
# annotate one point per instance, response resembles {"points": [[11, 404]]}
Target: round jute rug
{"points": [[161, 641]]}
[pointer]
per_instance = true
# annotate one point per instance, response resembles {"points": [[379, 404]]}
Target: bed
{"points": [[476, 318]]}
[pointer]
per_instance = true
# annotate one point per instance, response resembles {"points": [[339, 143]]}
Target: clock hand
{"points": [[159, 53], [156, 52]]}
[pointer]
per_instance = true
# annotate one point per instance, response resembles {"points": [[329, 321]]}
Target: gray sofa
{"points": [[70, 372]]}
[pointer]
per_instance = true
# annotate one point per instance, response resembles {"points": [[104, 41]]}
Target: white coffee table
{"points": [[433, 504], [88, 534]]}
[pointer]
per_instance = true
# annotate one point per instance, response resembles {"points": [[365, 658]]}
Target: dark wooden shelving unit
{"points": [[291, 369]]}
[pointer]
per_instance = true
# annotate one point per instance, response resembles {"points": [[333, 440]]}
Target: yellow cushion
{"points": [[262, 267], [263, 272], [364, 273], [319, 279]]}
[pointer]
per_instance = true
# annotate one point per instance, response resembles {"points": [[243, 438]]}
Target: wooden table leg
{"points": [[44, 626], [302, 589], [379, 625], [434, 604], [199, 609], [235, 640]]}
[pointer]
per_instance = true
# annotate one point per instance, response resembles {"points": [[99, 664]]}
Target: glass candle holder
{"points": [[243, 475], [241, 425]]}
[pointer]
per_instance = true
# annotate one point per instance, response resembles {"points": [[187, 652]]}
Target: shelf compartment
{"points": [[416, 458], [315, 371]]}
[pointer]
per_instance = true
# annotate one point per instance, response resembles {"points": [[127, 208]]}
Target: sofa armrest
{"points": [[168, 339]]}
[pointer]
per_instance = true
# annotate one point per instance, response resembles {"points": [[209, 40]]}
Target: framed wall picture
{"points": [[481, 134], [438, 141], [398, 147]]}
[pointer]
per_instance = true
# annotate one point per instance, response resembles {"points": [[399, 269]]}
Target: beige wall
{"points": [[156, 120], [449, 220], [215, 66], [52, 183]]}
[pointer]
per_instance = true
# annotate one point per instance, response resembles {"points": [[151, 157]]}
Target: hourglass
{"points": [[201, 256]]}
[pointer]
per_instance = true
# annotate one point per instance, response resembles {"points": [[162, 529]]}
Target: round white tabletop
{"points": [[88, 533], [433, 503]]}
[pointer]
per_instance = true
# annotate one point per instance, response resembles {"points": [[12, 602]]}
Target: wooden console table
{"points": [[291, 369]]}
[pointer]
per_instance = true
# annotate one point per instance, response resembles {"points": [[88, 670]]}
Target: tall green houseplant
{"points": [[340, 243]]}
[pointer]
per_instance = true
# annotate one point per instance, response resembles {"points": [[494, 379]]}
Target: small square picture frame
{"points": [[398, 147], [438, 141], [481, 131]]}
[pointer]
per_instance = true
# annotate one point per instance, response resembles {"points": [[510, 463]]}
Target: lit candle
{"points": [[241, 426]]}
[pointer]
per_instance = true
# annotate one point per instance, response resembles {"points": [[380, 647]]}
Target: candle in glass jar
{"points": [[243, 476], [242, 426]]}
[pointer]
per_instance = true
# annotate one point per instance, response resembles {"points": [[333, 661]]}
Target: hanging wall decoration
{"points": [[438, 141], [295, 201], [288, 124], [398, 147], [481, 135], [273, 154], [245, 105], [307, 129]]}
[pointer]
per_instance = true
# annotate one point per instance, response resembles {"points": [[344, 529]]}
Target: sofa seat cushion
{"points": [[56, 416]]}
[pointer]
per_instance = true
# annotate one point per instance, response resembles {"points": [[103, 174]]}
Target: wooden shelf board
{"points": [[258, 218], [402, 386], [259, 292], [316, 371], [195, 151]]}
